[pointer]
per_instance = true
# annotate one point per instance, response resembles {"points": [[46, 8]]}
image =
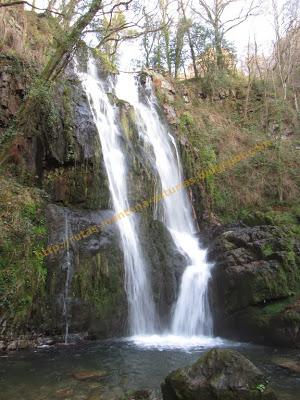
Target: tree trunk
{"points": [[191, 46], [193, 56], [68, 43]]}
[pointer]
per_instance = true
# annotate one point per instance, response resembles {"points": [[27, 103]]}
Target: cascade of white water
{"points": [[68, 268], [191, 314], [140, 300]]}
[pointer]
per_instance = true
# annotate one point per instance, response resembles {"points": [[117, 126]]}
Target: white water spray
{"points": [[192, 315], [140, 301]]}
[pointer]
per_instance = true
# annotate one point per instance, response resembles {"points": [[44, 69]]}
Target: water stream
{"points": [[137, 281], [48, 374], [192, 315], [68, 267]]}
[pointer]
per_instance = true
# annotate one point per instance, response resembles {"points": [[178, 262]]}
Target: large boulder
{"points": [[256, 284], [219, 374]]}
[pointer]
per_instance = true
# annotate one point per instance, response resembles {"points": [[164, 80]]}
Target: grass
{"points": [[218, 129]]}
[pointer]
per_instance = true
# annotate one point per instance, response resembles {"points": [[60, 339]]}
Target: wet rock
{"points": [[2, 345], [20, 344], [89, 375], [255, 283], [96, 266], [48, 341], [144, 394], [12, 346], [166, 265], [219, 374], [96, 395], [25, 344], [64, 393], [289, 364]]}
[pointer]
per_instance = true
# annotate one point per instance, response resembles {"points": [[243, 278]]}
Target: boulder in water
{"points": [[219, 374], [89, 375]]}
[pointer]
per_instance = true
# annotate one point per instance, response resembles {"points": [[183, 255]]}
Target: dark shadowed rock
{"points": [[218, 375], [96, 267], [256, 284]]}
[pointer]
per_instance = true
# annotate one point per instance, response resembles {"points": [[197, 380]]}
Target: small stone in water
{"points": [[87, 375], [63, 393]]}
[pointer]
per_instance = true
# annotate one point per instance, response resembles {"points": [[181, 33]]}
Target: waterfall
{"points": [[69, 273], [138, 289], [191, 313]]}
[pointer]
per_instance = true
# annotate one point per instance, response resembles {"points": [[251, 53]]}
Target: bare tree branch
{"points": [[22, 2]]}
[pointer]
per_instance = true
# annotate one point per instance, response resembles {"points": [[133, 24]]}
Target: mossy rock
{"points": [[219, 374]]}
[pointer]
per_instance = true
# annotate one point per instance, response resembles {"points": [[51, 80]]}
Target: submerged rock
{"points": [[218, 375], [89, 375], [63, 393], [144, 394], [289, 364]]}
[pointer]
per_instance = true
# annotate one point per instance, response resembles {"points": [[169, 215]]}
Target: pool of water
{"points": [[134, 363]]}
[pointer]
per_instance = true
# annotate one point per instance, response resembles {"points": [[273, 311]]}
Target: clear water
{"points": [[137, 282], [137, 363]]}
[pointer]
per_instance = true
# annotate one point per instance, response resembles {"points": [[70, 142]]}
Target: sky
{"points": [[259, 27]]}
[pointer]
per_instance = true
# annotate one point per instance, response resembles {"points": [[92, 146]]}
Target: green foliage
{"points": [[42, 106], [261, 387], [22, 270], [285, 219], [277, 307], [267, 249], [186, 122], [29, 211], [8, 134], [106, 62], [213, 82]]}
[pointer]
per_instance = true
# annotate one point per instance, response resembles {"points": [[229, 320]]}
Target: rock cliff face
{"points": [[256, 280], [62, 154], [14, 81], [255, 287], [256, 284]]}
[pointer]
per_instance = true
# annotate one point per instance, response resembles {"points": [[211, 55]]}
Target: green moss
{"points": [[68, 123], [277, 307], [253, 184], [42, 109], [267, 249], [99, 283], [186, 122], [107, 64], [22, 270], [29, 211], [128, 122], [80, 185]]}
